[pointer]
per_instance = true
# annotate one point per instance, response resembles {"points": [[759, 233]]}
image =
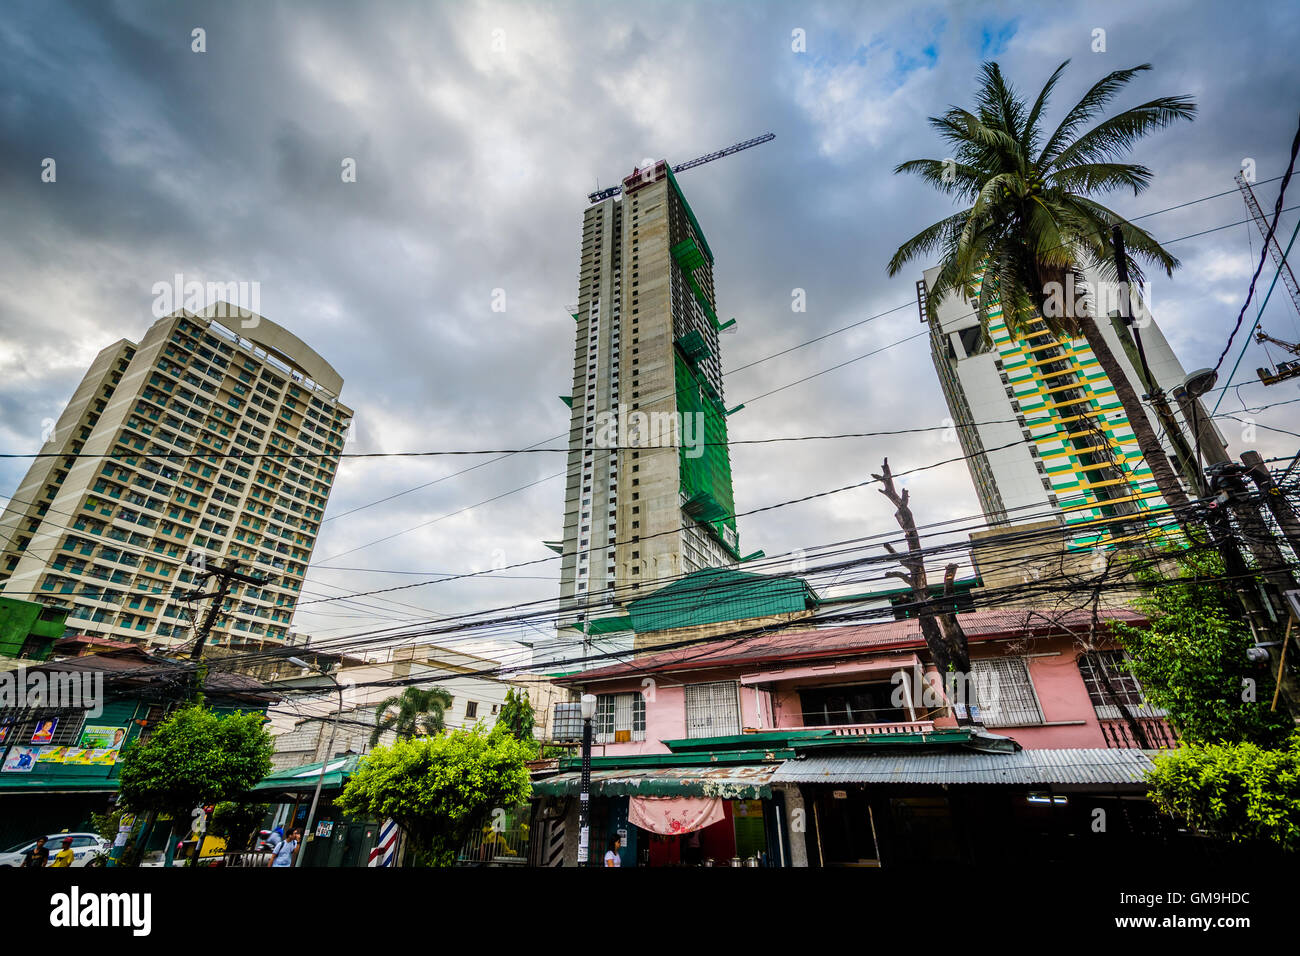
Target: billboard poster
{"points": [[20, 760], [103, 738], [44, 732]]}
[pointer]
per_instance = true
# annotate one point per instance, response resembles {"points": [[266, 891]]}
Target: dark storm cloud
{"points": [[476, 132]]}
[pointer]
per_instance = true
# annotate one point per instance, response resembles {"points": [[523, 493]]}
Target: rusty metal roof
{"points": [[745, 782], [801, 642], [1072, 766]]}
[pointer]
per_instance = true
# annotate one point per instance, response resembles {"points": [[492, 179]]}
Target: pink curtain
{"points": [[669, 815]]}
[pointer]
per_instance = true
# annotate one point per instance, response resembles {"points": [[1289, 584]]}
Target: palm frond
{"points": [[1029, 140], [1101, 93], [1100, 177], [999, 107], [926, 240], [967, 128], [1114, 137], [947, 176]]}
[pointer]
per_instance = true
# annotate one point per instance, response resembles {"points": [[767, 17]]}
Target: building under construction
{"points": [[648, 496]]}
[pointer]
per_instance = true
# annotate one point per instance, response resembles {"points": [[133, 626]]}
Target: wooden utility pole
{"points": [[1274, 498], [225, 574]]}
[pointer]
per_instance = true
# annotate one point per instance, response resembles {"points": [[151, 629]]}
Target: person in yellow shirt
{"points": [[64, 856]]}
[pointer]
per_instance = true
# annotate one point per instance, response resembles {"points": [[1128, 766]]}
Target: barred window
{"points": [[21, 724], [620, 718], [712, 710], [1005, 694], [1124, 690]]}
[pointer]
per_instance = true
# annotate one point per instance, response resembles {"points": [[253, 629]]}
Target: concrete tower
{"points": [[104, 520], [649, 477]]}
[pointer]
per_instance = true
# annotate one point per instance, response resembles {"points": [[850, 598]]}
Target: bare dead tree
{"points": [[940, 628]]}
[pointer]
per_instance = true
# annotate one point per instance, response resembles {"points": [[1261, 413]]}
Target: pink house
{"points": [[845, 746]]}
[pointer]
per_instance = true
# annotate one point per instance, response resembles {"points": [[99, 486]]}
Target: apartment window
{"points": [[1005, 693], [856, 704], [620, 718], [1102, 668], [712, 710], [471, 709]]}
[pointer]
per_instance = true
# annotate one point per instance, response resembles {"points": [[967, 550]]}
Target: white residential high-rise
{"points": [[1049, 437], [204, 438]]}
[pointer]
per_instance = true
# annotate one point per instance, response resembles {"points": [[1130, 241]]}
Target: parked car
{"points": [[85, 847]]}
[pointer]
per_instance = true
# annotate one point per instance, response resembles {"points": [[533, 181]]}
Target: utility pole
{"points": [[1264, 591], [1274, 498], [225, 575], [1225, 479]]}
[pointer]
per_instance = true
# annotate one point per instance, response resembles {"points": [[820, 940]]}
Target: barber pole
{"points": [[385, 851]]}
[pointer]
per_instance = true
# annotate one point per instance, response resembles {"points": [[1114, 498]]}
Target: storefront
{"points": [[927, 812], [676, 816], [336, 839]]}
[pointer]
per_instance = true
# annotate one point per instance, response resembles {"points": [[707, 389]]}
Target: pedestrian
{"points": [[64, 857], [692, 852], [611, 855], [286, 851], [39, 855]]}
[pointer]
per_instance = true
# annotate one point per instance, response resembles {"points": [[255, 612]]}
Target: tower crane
{"points": [[1284, 370], [602, 194]]}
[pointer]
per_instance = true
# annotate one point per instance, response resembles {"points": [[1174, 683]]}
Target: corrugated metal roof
{"points": [[1024, 767], [796, 644], [746, 782], [337, 772]]}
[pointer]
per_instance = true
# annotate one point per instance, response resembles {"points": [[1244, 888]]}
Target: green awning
{"points": [[743, 782], [337, 772]]}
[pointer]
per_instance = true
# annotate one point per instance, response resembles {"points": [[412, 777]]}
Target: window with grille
{"points": [[1005, 694], [620, 718], [21, 724], [712, 710], [1123, 690]]}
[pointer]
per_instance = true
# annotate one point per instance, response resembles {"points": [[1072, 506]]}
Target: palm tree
{"points": [[416, 711], [1031, 219]]}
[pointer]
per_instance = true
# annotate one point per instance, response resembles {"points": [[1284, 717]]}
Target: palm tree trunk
{"points": [[1161, 470]]}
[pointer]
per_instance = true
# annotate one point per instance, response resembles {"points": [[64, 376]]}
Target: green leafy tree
{"points": [[236, 822], [1239, 791], [517, 716], [413, 712], [438, 789], [195, 758], [1031, 218], [1237, 772], [1191, 658]]}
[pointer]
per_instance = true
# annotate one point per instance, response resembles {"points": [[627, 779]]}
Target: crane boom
{"points": [[1262, 336], [602, 194], [1283, 267]]}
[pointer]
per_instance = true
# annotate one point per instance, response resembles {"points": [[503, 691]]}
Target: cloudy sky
{"points": [[477, 130]]}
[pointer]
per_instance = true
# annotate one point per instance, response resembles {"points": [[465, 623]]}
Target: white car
{"points": [[85, 846]]}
